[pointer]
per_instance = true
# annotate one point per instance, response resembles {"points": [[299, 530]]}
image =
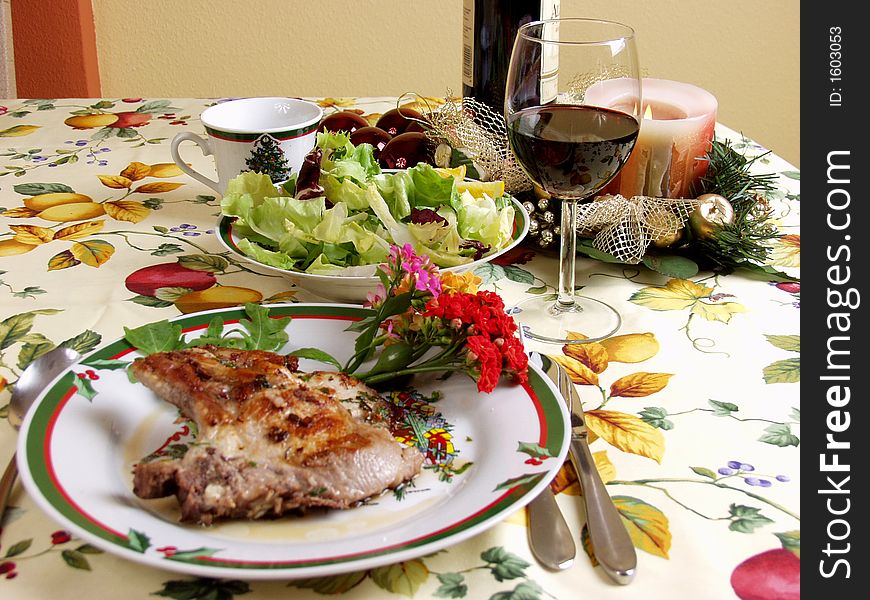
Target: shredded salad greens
{"points": [[341, 213]]}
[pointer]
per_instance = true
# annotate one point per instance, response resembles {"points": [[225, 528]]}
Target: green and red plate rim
{"points": [[38, 434]]}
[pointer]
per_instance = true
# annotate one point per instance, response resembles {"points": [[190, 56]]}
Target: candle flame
{"points": [[647, 114]]}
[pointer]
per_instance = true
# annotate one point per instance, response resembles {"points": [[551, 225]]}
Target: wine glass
{"points": [[571, 145]]}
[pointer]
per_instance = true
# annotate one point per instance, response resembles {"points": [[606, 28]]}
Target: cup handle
{"points": [[206, 151]]}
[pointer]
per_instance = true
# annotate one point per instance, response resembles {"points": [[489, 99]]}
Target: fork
{"points": [[550, 538]]}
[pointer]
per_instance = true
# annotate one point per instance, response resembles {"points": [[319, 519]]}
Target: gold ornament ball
{"points": [[666, 227], [712, 213]]}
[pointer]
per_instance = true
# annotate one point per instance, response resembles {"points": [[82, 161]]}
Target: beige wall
{"points": [[744, 51]]}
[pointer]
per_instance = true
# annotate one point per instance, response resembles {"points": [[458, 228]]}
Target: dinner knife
{"points": [[610, 540]]}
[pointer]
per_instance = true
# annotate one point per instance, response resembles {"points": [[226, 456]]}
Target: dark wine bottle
{"points": [[488, 31]]}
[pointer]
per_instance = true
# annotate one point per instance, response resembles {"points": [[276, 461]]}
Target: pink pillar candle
{"points": [[669, 157]]}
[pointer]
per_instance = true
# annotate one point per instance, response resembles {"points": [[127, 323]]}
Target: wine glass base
{"points": [[547, 321]]}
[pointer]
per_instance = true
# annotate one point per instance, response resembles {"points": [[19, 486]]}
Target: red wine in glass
{"points": [[571, 146], [572, 151]]}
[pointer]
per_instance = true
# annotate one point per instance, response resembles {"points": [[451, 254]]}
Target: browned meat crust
{"points": [[270, 439]]}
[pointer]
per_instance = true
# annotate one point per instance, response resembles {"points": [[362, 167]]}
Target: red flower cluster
{"points": [[493, 349]]}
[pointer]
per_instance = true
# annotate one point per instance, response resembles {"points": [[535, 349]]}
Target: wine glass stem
{"points": [[567, 255]]}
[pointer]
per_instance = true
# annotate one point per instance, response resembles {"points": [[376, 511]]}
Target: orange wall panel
{"points": [[55, 49]]}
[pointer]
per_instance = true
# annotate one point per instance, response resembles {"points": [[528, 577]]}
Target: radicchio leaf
{"points": [[479, 247], [308, 182], [426, 215]]}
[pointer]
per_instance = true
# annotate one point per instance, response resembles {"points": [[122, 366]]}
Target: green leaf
{"points": [[88, 549], [783, 371], [678, 267], [161, 336], [528, 590], [203, 588], [34, 189], [156, 107], [76, 560], [489, 272], [264, 332], [403, 578], [518, 274], [107, 364], [656, 417], [585, 246], [171, 294], [18, 548], [746, 519], [333, 584], [791, 540], [126, 132], [792, 343], [795, 414], [452, 586], [14, 328], [765, 273], [504, 565], [149, 301], [534, 450], [83, 342], [204, 262], [193, 555], [704, 472], [528, 481], [166, 249], [723, 409], [316, 354], [85, 388], [395, 305], [792, 174], [780, 435], [537, 290], [30, 351]]}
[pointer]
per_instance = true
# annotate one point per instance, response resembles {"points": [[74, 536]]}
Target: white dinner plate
{"points": [[487, 456]]}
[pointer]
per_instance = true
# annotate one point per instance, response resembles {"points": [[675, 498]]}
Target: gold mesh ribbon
{"points": [[625, 227], [481, 134]]}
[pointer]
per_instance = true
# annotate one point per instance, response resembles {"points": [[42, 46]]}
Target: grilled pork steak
{"points": [[270, 439]]}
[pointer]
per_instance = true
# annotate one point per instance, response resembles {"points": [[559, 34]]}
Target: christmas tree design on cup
{"points": [[268, 158]]}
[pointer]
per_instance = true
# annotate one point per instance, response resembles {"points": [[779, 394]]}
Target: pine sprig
{"points": [[728, 174], [747, 239]]}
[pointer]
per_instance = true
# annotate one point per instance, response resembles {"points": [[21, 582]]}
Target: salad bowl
{"points": [[354, 288], [328, 229]]}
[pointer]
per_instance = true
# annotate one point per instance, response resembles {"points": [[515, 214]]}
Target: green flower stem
{"points": [[647, 482], [667, 493], [424, 368], [746, 420]]}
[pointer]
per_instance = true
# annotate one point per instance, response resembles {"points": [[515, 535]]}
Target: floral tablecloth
{"points": [[694, 404]]}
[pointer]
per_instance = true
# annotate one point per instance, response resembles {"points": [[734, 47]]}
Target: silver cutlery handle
{"points": [[6, 483], [550, 539], [610, 540]]}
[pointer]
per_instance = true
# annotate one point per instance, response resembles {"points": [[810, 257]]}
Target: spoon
{"points": [[32, 382]]}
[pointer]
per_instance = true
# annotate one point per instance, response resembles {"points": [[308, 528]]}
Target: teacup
{"points": [[268, 135]]}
